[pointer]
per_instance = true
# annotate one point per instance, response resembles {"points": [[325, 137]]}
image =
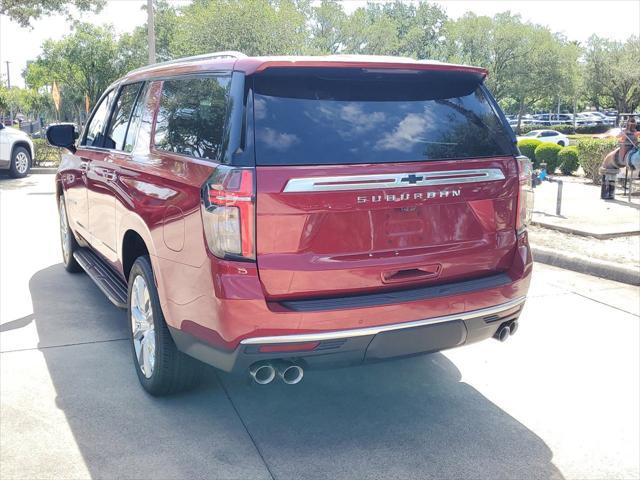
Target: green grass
{"points": [[578, 136]]}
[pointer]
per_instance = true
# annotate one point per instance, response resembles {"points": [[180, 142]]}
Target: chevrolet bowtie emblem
{"points": [[412, 179]]}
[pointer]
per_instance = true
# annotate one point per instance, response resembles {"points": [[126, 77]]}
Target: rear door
{"points": [[102, 177], [370, 180]]}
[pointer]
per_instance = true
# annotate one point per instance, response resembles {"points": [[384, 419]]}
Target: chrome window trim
{"points": [[361, 332], [392, 180]]}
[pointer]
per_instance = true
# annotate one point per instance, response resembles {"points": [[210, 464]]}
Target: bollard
{"points": [[608, 187], [559, 197]]}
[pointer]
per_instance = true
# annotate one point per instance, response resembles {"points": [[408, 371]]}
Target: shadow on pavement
{"points": [[410, 418], [624, 203], [18, 323], [9, 183]]}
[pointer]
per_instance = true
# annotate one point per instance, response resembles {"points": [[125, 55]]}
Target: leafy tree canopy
{"points": [[530, 67], [25, 11]]}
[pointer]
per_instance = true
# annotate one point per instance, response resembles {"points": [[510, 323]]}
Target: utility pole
{"points": [[151, 31], [8, 75], [9, 86]]}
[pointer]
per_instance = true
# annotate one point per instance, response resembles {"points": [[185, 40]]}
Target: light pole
{"points": [[151, 32]]}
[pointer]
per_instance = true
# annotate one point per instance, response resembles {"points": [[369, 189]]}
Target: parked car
{"points": [[272, 214], [604, 119], [542, 119], [551, 136], [553, 119], [16, 151]]}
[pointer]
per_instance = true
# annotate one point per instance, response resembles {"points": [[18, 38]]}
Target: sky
{"points": [[576, 19]]}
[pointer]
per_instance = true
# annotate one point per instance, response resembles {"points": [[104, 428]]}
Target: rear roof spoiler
{"points": [[256, 65]]}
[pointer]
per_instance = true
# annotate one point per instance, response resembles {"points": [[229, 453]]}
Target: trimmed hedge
{"points": [[591, 152], [528, 128], [568, 159], [567, 129], [527, 148], [548, 153], [45, 153]]}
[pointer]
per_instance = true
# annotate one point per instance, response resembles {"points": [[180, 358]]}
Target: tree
{"points": [[134, 46], [328, 28], [259, 27], [398, 28], [502, 44], [30, 102], [25, 11], [526, 62], [83, 63], [612, 73]]}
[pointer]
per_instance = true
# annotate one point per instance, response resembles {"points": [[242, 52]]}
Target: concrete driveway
{"points": [[558, 400]]}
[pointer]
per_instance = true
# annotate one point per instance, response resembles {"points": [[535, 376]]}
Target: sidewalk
{"points": [[590, 235], [583, 212]]}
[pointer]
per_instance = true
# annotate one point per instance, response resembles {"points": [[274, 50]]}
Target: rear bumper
{"points": [[228, 330], [354, 346]]}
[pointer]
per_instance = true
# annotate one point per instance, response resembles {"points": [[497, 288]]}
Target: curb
{"points": [[41, 170], [597, 268], [583, 233]]}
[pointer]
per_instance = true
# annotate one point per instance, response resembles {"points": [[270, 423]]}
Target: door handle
{"points": [[111, 176]]}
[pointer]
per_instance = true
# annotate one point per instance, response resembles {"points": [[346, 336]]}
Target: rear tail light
{"points": [[525, 194], [228, 213]]}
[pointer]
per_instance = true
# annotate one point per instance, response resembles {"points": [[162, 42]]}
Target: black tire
{"points": [[561, 143], [173, 371], [68, 260], [16, 169]]}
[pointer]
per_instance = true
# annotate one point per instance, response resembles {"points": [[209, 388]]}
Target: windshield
{"points": [[533, 133], [336, 116]]}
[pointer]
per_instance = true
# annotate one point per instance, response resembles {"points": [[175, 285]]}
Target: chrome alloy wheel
{"points": [[142, 326], [22, 163], [64, 232]]}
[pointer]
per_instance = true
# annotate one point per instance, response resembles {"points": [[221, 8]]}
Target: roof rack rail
{"points": [[205, 56]]}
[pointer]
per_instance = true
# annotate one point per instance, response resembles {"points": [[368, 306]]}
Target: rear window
{"points": [[337, 116]]}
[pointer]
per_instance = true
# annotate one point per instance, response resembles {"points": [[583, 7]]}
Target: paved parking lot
{"points": [[559, 400]]}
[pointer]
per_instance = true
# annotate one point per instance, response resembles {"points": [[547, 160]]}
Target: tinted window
{"points": [[335, 116], [136, 117], [121, 115], [192, 115], [95, 128]]}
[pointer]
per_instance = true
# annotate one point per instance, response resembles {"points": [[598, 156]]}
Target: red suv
{"points": [[277, 213]]}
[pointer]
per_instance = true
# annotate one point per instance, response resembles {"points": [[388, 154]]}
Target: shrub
{"points": [[593, 129], [528, 128], [568, 159], [528, 147], [45, 153], [567, 129], [548, 153], [591, 152]]}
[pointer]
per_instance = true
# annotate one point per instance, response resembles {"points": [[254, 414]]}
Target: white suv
{"points": [[16, 151]]}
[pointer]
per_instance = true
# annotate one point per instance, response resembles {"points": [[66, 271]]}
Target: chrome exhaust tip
{"points": [[262, 373], [503, 333], [290, 373]]}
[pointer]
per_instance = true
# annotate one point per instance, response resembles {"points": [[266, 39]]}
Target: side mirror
{"points": [[62, 135]]}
